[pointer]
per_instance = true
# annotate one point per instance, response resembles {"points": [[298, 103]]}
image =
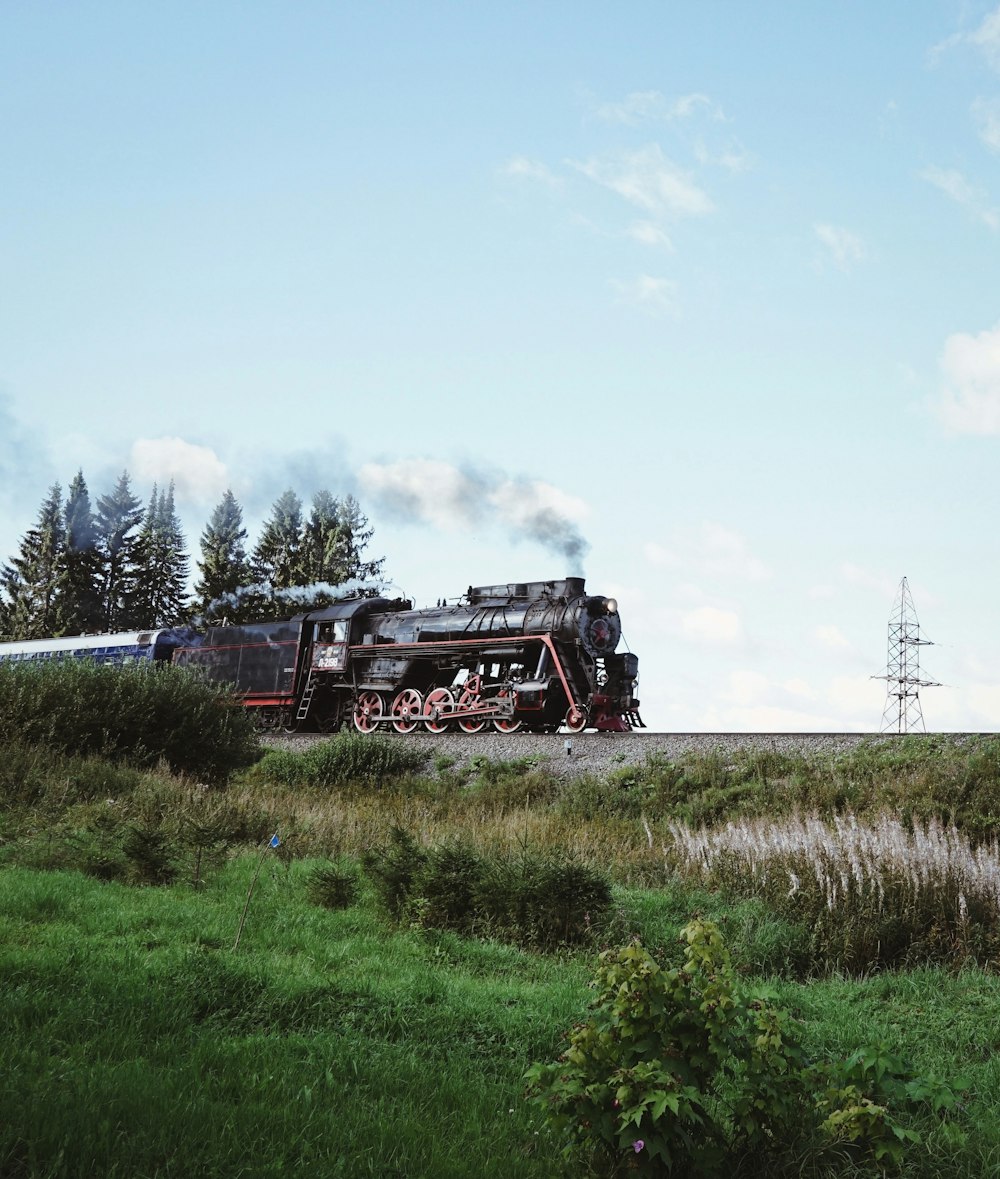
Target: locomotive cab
{"points": [[329, 651]]}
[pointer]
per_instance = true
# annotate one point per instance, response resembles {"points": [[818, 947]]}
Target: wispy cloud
{"points": [[709, 624], [831, 637], [656, 296], [734, 157], [710, 550], [844, 247], [648, 233], [986, 115], [970, 399], [953, 184], [523, 168], [987, 38], [650, 181], [643, 106]]}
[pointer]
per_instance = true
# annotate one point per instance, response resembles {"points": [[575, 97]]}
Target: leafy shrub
{"points": [[37, 777], [348, 759], [531, 899], [543, 900], [137, 715], [678, 1072]]}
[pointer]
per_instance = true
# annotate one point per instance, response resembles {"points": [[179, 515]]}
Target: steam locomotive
{"points": [[538, 655]]}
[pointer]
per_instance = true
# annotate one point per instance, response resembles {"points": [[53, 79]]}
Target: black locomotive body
{"points": [[538, 654]]}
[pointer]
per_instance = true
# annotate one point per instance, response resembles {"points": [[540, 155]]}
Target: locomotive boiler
{"points": [[538, 655]]}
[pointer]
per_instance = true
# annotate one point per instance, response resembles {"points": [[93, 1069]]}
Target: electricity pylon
{"points": [[902, 675]]}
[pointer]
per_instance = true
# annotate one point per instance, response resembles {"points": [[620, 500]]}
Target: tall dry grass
{"points": [[879, 892]]}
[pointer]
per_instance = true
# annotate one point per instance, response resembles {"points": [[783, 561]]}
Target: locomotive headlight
{"points": [[611, 605]]}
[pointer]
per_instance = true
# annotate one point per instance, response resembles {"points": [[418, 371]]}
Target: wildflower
{"points": [[638, 1145]]}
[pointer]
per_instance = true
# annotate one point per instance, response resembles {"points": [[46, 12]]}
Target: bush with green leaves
{"points": [[679, 1071], [529, 898], [349, 759], [136, 715]]}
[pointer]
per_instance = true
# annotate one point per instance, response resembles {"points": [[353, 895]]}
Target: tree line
{"points": [[116, 565]]}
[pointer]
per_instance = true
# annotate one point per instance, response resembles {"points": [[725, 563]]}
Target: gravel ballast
{"points": [[600, 753]]}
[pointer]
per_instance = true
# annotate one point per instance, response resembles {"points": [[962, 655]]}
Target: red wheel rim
{"points": [[576, 720], [470, 698], [367, 712], [406, 710], [506, 724], [440, 701]]}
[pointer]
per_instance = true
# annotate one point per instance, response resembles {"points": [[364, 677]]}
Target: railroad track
{"points": [[602, 752]]}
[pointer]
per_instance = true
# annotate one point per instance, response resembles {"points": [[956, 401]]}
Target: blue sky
{"points": [[711, 288]]}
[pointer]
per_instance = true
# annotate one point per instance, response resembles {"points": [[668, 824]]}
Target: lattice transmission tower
{"points": [[902, 675]]}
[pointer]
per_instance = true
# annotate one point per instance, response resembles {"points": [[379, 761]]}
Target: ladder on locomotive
{"points": [[307, 695]]}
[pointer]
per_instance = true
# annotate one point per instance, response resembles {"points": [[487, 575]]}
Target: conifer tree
{"points": [[160, 597], [224, 565], [118, 515], [275, 563], [30, 584], [353, 535], [320, 541], [80, 566]]}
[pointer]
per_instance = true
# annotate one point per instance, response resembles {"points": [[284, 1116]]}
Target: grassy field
{"points": [[139, 1040]]}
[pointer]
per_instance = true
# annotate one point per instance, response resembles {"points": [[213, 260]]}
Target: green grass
{"points": [[136, 1042]]}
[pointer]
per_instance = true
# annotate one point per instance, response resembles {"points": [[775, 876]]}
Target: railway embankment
{"points": [[601, 753]]}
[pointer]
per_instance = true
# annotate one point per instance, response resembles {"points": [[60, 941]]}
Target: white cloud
{"points": [[522, 167], [881, 583], [649, 180], [986, 114], [858, 701], [845, 247], [987, 38], [657, 296], [709, 624], [970, 365], [198, 474], [832, 637], [709, 550], [953, 184], [651, 105], [649, 234]]}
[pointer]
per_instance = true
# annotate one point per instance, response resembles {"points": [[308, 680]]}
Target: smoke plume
{"points": [[453, 498], [301, 596]]}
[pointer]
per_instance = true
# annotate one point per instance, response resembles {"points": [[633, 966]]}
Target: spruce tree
{"points": [[353, 535], [320, 541], [275, 565], [79, 604], [31, 584], [160, 597], [118, 515], [224, 565]]}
